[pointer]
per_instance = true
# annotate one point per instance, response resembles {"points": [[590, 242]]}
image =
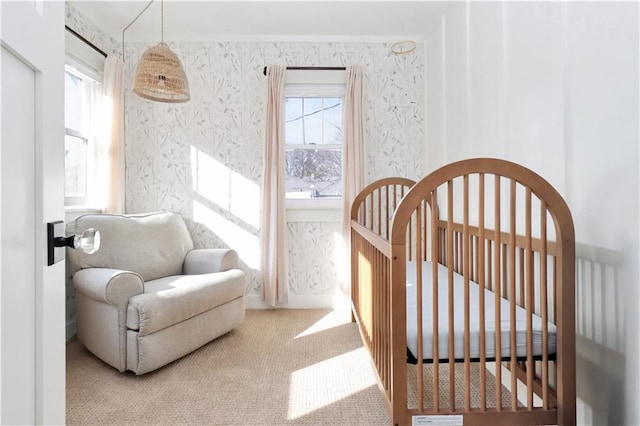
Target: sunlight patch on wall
{"points": [[224, 187], [327, 382], [245, 199], [246, 244]]}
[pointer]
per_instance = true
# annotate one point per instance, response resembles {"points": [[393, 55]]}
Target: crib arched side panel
{"points": [[375, 205], [503, 229], [488, 166]]}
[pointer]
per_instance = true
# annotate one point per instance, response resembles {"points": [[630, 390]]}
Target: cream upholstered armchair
{"points": [[147, 297]]}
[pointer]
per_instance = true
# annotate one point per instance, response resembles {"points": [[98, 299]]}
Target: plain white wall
{"points": [[554, 86]]}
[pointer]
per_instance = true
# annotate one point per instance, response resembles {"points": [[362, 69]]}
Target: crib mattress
{"points": [[459, 317]]}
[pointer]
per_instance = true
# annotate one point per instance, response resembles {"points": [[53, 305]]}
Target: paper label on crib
{"points": [[436, 420]]}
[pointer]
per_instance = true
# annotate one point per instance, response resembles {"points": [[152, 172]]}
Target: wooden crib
{"points": [[490, 233]]}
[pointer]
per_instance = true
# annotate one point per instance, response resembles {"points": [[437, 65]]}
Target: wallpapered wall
{"points": [[203, 158], [90, 31]]}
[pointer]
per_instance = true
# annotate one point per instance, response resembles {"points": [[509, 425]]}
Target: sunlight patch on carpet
{"points": [[327, 382], [333, 319]]}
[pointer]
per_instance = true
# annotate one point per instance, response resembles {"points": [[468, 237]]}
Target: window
{"points": [[81, 95], [313, 141]]}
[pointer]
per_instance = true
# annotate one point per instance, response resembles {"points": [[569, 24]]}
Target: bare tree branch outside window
{"points": [[313, 161]]}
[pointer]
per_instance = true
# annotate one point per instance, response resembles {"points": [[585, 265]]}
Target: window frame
{"points": [[84, 62], [86, 133], [312, 84]]}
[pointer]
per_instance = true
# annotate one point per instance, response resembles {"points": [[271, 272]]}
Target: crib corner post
{"points": [[566, 333], [399, 335]]}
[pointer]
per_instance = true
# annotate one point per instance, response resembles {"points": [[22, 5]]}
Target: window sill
{"points": [[314, 210], [313, 203]]}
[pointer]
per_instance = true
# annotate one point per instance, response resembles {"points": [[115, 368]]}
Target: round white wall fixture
{"points": [[403, 47]]}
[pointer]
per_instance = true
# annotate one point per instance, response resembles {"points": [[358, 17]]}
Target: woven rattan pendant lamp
{"points": [[159, 74]]}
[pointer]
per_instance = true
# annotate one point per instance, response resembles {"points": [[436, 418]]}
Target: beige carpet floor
{"points": [[278, 367]]}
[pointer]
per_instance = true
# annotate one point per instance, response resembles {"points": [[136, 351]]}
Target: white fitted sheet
{"points": [[474, 308]]}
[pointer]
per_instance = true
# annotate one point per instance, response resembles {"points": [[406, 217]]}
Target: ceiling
{"points": [[194, 20]]}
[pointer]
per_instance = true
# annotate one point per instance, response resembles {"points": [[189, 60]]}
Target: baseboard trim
{"points": [[296, 301]]}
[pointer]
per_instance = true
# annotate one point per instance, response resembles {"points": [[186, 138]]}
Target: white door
{"points": [[32, 294]]}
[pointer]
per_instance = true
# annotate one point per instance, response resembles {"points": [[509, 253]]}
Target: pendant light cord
{"points": [[131, 23], [162, 21]]}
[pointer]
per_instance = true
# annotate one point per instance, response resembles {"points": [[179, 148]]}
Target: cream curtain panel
{"points": [[273, 262], [113, 142], [353, 151]]}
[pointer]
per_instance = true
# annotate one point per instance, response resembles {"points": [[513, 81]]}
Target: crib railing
{"points": [[371, 269]]}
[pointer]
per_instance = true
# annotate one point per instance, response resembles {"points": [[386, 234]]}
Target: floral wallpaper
{"points": [[223, 127], [203, 158], [90, 31]]}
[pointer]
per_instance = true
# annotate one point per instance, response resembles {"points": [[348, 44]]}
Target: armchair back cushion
{"points": [[152, 245]]}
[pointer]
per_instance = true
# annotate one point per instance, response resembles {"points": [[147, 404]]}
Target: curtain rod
{"points": [[87, 42], [264, 71]]}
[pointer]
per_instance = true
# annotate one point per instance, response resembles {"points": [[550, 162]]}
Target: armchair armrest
{"points": [[112, 286], [205, 261]]}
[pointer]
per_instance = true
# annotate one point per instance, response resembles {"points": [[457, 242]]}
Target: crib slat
{"points": [[512, 296], [529, 299], [365, 203], [455, 251], [381, 320], [434, 271], [452, 376], [490, 245], [385, 327], [441, 249], [420, 383], [543, 305], [371, 298], [425, 234], [555, 290], [380, 308], [497, 287], [386, 194], [521, 259], [410, 238], [379, 211], [475, 258], [481, 283], [466, 274], [379, 286], [373, 260]]}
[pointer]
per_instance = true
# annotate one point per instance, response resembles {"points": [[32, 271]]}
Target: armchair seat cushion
{"points": [[170, 300]]}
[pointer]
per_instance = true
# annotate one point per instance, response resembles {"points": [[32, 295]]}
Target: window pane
{"points": [[293, 121], [72, 101], [313, 173], [332, 121], [75, 167], [312, 121]]}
